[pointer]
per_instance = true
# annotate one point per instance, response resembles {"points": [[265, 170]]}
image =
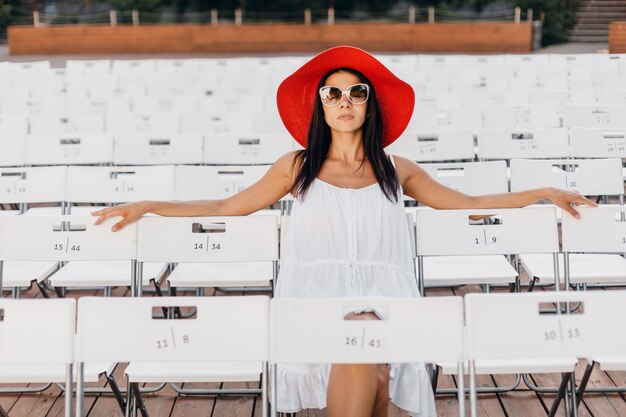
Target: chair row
{"points": [[121, 184], [241, 338], [450, 248]]}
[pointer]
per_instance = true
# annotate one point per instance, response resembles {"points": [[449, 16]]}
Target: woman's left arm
{"points": [[417, 184]]}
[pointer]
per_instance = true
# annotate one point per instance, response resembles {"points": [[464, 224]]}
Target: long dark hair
{"points": [[311, 159]]}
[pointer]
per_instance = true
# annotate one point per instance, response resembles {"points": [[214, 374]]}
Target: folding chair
{"points": [[533, 117], [213, 251], [538, 342], [84, 67], [452, 249], [597, 142], [473, 178], [594, 116], [435, 146], [177, 104], [72, 239], [523, 143], [245, 149], [68, 149], [37, 343], [110, 185], [446, 119], [60, 124], [155, 149], [153, 123], [215, 182], [234, 329], [316, 331]]}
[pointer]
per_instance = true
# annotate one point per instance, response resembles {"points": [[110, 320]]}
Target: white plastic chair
{"points": [[473, 178], [155, 149], [594, 116], [215, 182], [446, 119], [597, 142], [537, 342], [91, 251], [587, 176], [38, 343], [212, 251], [68, 149], [454, 250], [244, 149], [60, 124], [399, 337], [435, 146], [530, 117], [223, 329], [153, 123], [523, 143]]}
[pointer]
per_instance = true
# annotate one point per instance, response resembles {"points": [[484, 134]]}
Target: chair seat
{"points": [[38, 373], [584, 268], [4, 213], [526, 366], [612, 363], [194, 371], [103, 273], [465, 270], [218, 274], [21, 274]]}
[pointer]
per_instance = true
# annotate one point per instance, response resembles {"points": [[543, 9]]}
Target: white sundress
{"points": [[344, 242]]}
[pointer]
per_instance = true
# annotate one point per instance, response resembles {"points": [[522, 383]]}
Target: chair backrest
{"points": [[316, 331], [473, 178], [154, 123], [594, 116], [587, 176], [446, 119], [47, 124], [599, 229], [521, 230], [242, 149], [208, 239], [66, 238], [13, 124], [587, 142], [530, 117], [11, 150], [214, 182], [33, 185], [436, 146], [590, 331], [155, 149], [523, 143], [120, 184], [37, 331], [223, 328], [68, 149]]}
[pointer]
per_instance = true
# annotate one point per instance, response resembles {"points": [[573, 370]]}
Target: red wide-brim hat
{"points": [[297, 93]]}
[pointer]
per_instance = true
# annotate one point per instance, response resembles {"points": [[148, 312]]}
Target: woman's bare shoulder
{"points": [[288, 164], [405, 167]]}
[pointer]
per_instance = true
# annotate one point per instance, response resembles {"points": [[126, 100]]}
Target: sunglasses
{"points": [[356, 94]]}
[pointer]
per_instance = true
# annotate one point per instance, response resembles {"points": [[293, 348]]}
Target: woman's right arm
{"points": [[274, 185]]}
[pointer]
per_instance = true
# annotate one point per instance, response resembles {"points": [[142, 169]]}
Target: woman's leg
{"points": [[358, 390]]}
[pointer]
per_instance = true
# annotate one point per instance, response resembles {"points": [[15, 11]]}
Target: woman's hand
{"points": [[568, 200], [130, 213]]}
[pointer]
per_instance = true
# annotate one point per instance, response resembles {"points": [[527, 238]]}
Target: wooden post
{"points": [[412, 14], [518, 15], [331, 15], [135, 15], [529, 15], [113, 17], [431, 15], [238, 17], [36, 18], [214, 17], [307, 17]]}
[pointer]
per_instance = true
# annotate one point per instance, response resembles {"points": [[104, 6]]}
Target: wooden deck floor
{"points": [[521, 402]]}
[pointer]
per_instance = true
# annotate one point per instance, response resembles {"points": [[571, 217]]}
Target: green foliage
{"points": [[5, 19], [560, 16], [141, 5]]}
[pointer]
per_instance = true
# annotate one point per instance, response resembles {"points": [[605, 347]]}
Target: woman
{"points": [[348, 234]]}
